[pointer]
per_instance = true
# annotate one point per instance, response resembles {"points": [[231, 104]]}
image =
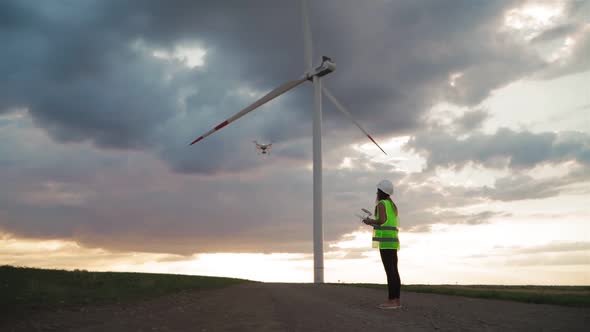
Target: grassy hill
{"points": [[27, 289]]}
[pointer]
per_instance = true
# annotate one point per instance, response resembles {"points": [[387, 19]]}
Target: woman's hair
{"points": [[381, 195]]}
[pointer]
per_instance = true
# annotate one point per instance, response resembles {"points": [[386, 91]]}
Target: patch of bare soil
{"points": [[307, 307]]}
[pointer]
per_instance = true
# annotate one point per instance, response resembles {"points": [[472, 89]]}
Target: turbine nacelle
{"points": [[327, 66]]}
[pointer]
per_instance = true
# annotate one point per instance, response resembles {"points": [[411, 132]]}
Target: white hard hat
{"points": [[385, 186]]}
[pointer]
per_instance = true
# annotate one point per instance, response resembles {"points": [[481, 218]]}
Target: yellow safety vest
{"points": [[385, 236]]}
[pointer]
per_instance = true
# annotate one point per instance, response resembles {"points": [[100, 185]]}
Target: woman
{"points": [[385, 234]]}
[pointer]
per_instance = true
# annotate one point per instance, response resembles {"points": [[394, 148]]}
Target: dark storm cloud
{"points": [[576, 43], [139, 208], [506, 147], [77, 68], [125, 200], [471, 121], [426, 205], [78, 79], [521, 186], [578, 62], [421, 220], [397, 66], [86, 74], [79, 72], [128, 201], [555, 33]]}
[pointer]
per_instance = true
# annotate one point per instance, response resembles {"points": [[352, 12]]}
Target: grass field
{"points": [[576, 296], [26, 289]]}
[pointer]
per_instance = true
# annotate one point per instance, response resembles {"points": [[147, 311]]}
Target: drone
{"points": [[263, 148]]}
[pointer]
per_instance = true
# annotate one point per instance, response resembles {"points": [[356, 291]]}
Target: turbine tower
{"points": [[314, 75], [318, 202]]}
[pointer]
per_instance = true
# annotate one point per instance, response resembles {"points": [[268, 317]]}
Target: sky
{"points": [[483, 108]]}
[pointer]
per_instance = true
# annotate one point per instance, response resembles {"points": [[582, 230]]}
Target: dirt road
{"points": [[307, 307]]}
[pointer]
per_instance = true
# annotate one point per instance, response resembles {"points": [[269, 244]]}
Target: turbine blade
{"points": [[348, 115], [268, 97], [307, 45]]}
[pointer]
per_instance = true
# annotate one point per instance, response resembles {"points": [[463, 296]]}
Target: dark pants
{"points": [[389, 259]]}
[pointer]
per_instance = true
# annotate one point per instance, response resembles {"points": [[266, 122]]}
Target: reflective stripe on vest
{"points": [[385, 239], [385, 235], [385, 228]]}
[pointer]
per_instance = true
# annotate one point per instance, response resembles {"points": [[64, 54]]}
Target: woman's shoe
{"points": [[389, 306]]}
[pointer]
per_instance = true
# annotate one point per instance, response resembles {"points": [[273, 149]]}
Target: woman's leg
{"points": [[395, 276], [387, 257]]}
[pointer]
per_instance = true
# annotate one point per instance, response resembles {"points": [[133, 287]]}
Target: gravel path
{"points": [[307, 307]]}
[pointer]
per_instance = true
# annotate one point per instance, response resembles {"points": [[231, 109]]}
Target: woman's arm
{"points": [[382, 216]]}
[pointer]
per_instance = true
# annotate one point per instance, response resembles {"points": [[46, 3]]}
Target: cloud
{"points": [[557, 32], [559, 260], [130, 201], [572, 56], [97, 76], [506, 147], [521, 186], [520, 154], [554, 247], [471, 121], [422, 220], [557, 253], [97, 107]]}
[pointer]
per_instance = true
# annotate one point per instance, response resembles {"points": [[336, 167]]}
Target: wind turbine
{"points": [[314, 75]]}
